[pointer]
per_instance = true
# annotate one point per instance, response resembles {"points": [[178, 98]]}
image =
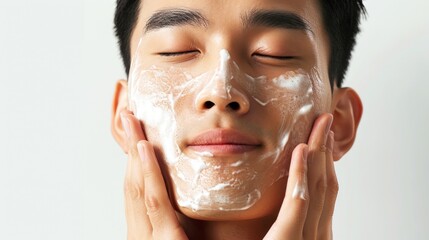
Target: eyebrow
{"points": [[275, 19], [266, 18], [175, 17]]}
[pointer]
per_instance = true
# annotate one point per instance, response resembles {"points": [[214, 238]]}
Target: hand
{"points": [[149, 212], [312, 187]]}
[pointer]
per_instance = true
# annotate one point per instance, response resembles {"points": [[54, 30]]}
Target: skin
{"points": [[278, 215]]}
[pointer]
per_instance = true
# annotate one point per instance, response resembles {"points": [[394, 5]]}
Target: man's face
{"points": [[226, 90]]}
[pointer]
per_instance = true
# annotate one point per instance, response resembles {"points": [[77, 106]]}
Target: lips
{"points": [[223, 142]]}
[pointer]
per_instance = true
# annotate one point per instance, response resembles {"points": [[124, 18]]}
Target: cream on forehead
{"points": [[199, 182]]}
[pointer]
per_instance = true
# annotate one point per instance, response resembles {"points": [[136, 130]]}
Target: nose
{"points": [[220, 93], [235, 102]]}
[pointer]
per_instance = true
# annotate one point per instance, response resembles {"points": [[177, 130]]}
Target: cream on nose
{"points": [[219, 91], [224, 70]]}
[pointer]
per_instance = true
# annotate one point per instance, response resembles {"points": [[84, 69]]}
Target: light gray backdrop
{"points": [[61, 172]]}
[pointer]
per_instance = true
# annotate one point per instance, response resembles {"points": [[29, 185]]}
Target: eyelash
{"points": [[172, 54], [273, 57]]}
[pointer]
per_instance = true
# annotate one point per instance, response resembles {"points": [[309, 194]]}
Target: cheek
{"points": [[299, 98], [151, 98], [295, 102]]}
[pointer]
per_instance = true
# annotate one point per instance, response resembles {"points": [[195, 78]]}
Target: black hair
{"points": [[341, 21], [125, 20]]}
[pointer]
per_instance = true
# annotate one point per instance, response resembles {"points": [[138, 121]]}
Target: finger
{"points": [[290, 220], [317, 174], [138, 223], [159, 209], [133, 130], [325, 223]]}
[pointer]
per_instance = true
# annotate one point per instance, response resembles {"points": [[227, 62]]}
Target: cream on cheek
{"points": [[202, 181]]}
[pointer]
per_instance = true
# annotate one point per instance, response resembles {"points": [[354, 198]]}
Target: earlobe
{"points": [[347, 110], [119, 104]]}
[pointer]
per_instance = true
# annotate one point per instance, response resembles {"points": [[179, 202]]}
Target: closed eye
{"points": [[273, 56], [172, 54]]}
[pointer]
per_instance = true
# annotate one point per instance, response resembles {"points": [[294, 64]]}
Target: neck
{"points": [[217, 230]]}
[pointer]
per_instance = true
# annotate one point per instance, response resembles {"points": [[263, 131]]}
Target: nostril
{"points": [[234, 106], [208, 105]]}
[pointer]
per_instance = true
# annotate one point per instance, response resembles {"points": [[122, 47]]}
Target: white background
{"points": [[61, 172]]}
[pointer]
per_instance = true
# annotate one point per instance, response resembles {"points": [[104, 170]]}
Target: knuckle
{"points": [[155, 212], [133, 190], [333, 186], [323, 148], [148, 174], [321, 186], [152, 205]]}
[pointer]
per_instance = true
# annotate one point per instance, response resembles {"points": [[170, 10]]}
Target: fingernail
{"points": [[142, 150], [331, 141], [125, 125], [305, 154], [300, 189], [328, 126]]}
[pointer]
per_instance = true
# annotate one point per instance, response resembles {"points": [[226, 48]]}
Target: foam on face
{"points": [[162, 98]]}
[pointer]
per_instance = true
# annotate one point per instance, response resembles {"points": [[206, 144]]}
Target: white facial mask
{"points": [[166, 101]]}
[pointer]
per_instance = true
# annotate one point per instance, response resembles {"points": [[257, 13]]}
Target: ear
{"points": [[347, 111], [119, 104]]}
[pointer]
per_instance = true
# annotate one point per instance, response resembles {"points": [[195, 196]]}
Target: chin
{"points": [[267, 206]]}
